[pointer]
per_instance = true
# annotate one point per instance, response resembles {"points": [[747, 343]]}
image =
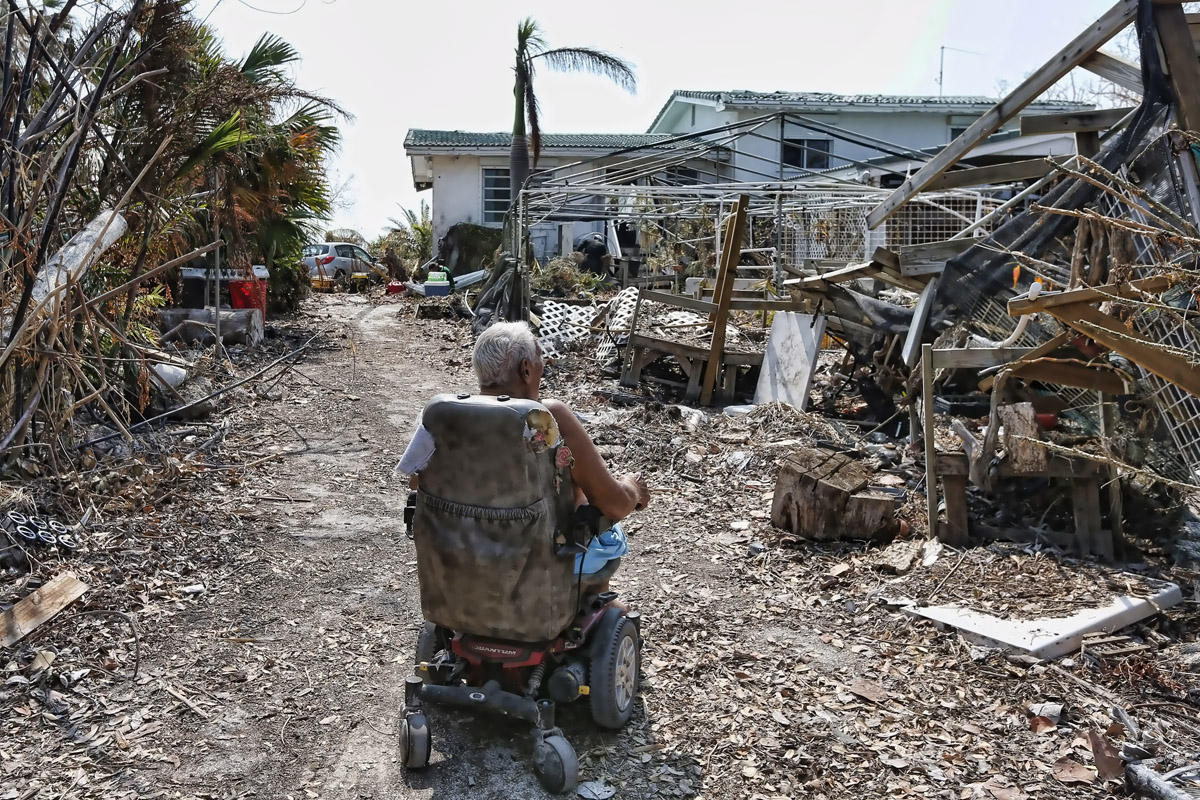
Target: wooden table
{"points": [[645, 350], [1083, 473]]}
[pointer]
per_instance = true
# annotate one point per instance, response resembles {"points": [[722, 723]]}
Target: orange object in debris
{"points": [[1016, 275], [250, 293]]}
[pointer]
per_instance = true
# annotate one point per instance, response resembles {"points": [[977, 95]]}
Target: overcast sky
{"points": [[447, 64]]}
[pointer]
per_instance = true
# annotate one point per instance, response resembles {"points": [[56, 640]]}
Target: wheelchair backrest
{"points": [[493, 512]]}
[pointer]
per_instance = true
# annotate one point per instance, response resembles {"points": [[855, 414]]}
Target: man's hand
{"points": [[641, 490]]}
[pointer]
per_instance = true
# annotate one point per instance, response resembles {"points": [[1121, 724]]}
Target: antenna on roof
{"points": [[942, 64]]}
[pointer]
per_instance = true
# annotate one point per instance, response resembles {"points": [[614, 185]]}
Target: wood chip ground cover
{"points": [[276, 612]]}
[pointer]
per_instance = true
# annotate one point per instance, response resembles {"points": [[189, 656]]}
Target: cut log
{"points": [[821, 494], [1020, 426], [44, 603], [239, 326]]}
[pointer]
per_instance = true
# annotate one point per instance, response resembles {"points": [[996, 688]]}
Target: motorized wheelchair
{"points": [[510, 625]]}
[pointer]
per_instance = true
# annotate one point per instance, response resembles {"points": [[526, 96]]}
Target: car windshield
{"points": [[315, 249]]}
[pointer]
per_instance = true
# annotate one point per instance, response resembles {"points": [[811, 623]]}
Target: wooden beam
{"points": [[1176, 41], [1122, 72], [1070, 372], [1041, 350], [1029, 90], [997, 173], [734, 230], [935, 251], [1021, 306], [976, 357], [890, 271], [931, 460], [708, 307], [1112, 333], [1072, 121], [847, 273], [36, 608]]}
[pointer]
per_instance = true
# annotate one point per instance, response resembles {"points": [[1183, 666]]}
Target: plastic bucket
{"points": [[249, 294]]}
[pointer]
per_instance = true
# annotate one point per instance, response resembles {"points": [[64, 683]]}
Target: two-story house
{"points": [[772, 136]]}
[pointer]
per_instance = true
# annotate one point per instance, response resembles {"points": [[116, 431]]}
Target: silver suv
{"points": [[337, 261]]}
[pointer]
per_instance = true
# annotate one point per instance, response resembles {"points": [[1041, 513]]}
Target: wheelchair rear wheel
{"points": [[615, 676]]}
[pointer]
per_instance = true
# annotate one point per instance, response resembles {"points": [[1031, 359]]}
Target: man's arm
{"points": [[615, 498]]}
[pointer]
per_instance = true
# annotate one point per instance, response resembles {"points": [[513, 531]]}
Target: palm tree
{"points": [[530, 48]]}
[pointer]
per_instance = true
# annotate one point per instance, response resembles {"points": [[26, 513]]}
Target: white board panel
{"points": [[790, 358]]}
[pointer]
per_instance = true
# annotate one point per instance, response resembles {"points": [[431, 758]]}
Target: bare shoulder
{"points": [[560, 410], [568, 423]]}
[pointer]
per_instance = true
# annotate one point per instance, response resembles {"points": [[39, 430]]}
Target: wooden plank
{"points": [[1083, 45], [1122, 72], [1176, 41], [1069, 372], [1112, 333], [934, 251], [707, 307], [35, 609], [840, 275], [923, 270], [1041, 350], [1047, 300], [734, 232], [691, 351], [997, 173], [889, 271], [955, 531], [976, 357], [931, 462], [916, 328], [1073, 121]]}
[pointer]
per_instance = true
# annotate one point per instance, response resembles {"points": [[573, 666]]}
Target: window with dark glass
{"points": [[496, 194], [807, 153]]}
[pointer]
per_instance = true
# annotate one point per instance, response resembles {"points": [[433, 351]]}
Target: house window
{"points": [[956, 131], [807, 153], [496, 195]]}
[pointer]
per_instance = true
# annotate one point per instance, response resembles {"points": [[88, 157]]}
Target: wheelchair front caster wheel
{"points": [[556, 765], [415, 741]]}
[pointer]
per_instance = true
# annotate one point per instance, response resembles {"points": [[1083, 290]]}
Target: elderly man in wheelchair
{"points": [[514, 526]]}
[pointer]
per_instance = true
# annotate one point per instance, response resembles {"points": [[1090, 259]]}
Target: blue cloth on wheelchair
{"points": [[602, 549]]}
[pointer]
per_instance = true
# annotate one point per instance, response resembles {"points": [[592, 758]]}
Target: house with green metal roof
{"points": [[764, 136]]}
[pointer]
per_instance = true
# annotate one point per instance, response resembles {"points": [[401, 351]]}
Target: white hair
{"points": [[500, 350]]}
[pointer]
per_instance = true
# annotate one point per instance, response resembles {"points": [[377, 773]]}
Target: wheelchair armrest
{"points": [[410, 512], [587, 523]]}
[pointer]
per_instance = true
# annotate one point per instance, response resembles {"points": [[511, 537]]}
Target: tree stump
{"points": [[822, 494]]}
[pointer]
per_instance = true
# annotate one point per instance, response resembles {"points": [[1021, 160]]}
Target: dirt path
{"points": [[772, 668], [328, 601]]}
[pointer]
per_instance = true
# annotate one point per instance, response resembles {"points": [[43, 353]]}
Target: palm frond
{"points": [[529, 38], [264, 60], [597, 62], [226, 136]]}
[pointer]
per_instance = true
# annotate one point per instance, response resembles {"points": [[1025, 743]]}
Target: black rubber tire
{"points": [[416, 742], [612, 688], [556, 765]]}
